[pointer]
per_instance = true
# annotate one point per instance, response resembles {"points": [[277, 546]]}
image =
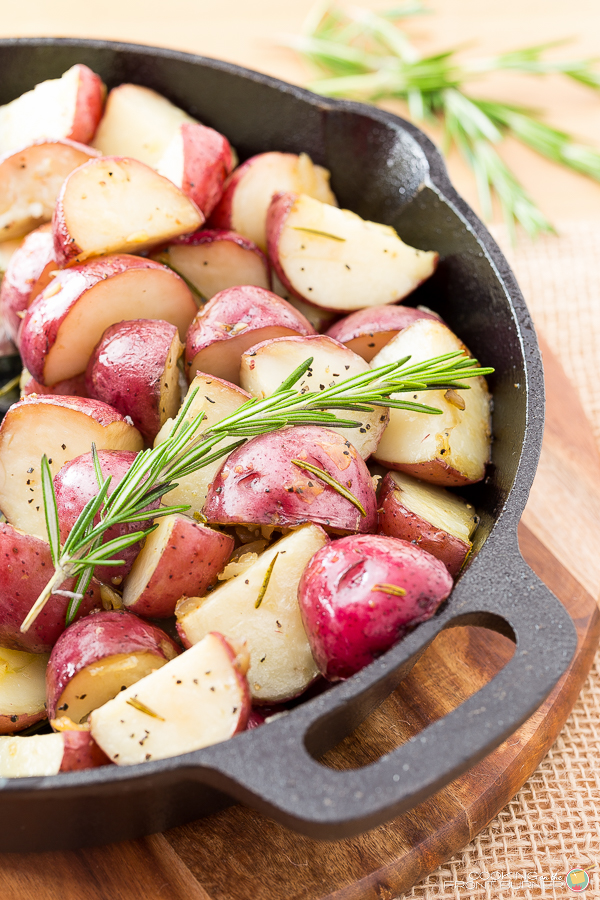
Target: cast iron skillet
{"points": [[384, 169]]}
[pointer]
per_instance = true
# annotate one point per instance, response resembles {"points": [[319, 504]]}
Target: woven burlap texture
{"points": [[553, 824]]}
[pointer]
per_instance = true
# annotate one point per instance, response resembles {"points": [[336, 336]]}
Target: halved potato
{"points": [[260, 607], [22, 689], [197, 699], [334, 259], [429, 516], [449, 449]]}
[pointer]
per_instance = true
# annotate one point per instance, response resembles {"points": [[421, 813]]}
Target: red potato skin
{"points": [[70, 387], [435, 471], [259, 483], [381, 323], [27, 274], [95, 638], [278, 211], [104, 414], [207, 161], [76, 483], [82, 752], [188, 567], [91, 94], [222, 213], [41, 325], [246, 704], [127, 367], [252, 305], [26, 567], [13, 724], [348, 623], [396, 520]]}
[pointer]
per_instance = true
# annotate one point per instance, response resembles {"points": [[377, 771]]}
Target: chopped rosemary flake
{"points": [[264, 586], [330, 480], [325, 234], [389, 589], [141, 707]]}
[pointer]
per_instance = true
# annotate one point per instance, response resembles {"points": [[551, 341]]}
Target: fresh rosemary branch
{"points": [[366, 56], [155, 471]]}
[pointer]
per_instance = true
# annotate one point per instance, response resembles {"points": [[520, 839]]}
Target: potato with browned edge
{"points": [[359, 595]]}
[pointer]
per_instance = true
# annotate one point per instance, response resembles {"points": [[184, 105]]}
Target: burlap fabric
{"points": [[553, 824]]}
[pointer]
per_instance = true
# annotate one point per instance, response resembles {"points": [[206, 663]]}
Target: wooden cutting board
{"points": [[240, 855]]}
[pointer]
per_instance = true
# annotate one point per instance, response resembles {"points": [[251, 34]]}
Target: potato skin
{"points": [[366, 331], [13, 724], [348, 622], [126, 369], [26, 567], [397, 521], [81, 752], [259, 483], [207, 161], [96, 637], [76, 483], [26, 275], [70, 387]]}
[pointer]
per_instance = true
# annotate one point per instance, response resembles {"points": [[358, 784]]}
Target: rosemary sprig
{"points": [[329, 480], [366, 56], [155, 471]]}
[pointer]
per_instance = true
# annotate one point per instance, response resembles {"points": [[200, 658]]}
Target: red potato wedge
{"points": [[118, 205], [134, 368], [367, 331], [359, 595], [71, 387], [26, 570], [281, 664], [248, 191], [68, 107], [198, 160], [22, 689], [214, 260], [99, 656], [199, 698], [138, 122], [429, 516], [334, 259], [259, 483], [216, 399], [264, 366], [30, 182], [62, 428], [76, 483], [49, 754], [233, 321], [181, 557], [27, 274], [320, 319], [449, 449], [63, 326]]}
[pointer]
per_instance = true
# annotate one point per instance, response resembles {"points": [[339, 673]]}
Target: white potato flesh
{"points": [[95, 685], [281, 663], [36, 754], [265, 366], [216, 399], [456, 441], [195, 700], [267, 175], [433, 503], [170, 388], [121, 205], [22, 682], [30, 430], [215, 266], [138, 122], [364, 264], [46, 111], [30, 181]]}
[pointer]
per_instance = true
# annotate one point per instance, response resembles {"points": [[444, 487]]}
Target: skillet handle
{"points": [[272, 769]]}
